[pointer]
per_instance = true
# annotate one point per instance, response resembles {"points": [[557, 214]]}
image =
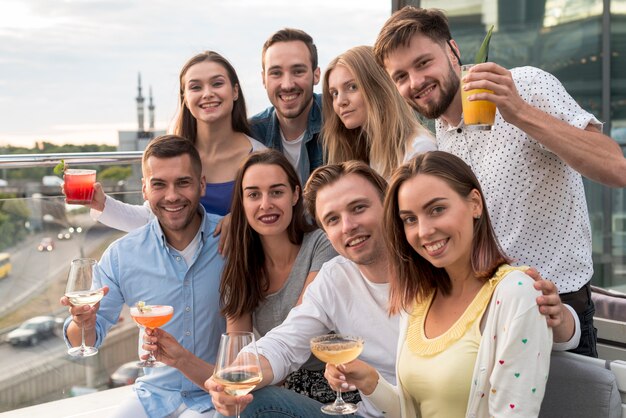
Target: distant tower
{"points": [[140, 101], [151, 111]]}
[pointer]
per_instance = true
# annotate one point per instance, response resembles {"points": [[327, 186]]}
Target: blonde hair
{"points": [[384, 139]]}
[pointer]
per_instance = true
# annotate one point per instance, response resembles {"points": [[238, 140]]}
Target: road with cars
{"points": [[33, 270]]}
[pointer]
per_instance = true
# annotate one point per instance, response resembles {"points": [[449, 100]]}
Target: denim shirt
{"points": [[265, 128], [140, 266]]}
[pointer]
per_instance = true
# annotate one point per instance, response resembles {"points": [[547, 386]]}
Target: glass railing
{"points": [[41, 235]]}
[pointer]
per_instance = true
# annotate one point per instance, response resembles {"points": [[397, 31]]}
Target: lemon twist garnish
{"points": [[141, 305]]}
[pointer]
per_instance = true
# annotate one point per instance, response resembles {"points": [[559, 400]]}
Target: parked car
{"points": [[64, 234], [46, 244], [32, 331], [126, 374]]}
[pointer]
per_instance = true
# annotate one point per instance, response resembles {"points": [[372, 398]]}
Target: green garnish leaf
{"points": [[483, 52], [59, 168]]}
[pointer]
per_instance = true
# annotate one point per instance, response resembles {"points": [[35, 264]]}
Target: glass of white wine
{"points": [[80, 293], [238, 371], [337, 349]]}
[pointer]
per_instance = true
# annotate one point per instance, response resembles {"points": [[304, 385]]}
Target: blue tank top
{"points": [[218, 197]]}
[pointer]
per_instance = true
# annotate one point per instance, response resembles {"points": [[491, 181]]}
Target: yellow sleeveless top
{"points": [[437, 372]]}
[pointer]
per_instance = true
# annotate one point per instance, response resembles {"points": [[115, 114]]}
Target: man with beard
{"points": [[173, 260], [292, 124], [529, 164]]}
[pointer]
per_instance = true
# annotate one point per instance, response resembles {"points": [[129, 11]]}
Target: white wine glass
{"points": [[337, 349], [80, 293], [238, 371]]}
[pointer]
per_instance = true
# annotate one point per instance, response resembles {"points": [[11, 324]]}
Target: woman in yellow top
{"points": [[472, 341]]}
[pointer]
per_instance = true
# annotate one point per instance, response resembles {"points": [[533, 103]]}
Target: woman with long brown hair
{"points": [[274, 255], [211, 114]]}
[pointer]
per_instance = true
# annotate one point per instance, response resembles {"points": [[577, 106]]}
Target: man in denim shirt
{"points": [[294, 121], [173, 260]]}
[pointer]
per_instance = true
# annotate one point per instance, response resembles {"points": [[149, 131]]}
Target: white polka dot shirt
{"points": [[536, 202]]}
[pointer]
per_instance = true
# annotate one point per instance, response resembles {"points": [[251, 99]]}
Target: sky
{"points": [[68, 68]]}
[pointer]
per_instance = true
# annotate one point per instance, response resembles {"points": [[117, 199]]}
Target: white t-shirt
{"points": [[292, 150], [535, 200], [340, 299]]}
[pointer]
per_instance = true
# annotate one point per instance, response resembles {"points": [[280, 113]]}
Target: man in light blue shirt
{"points": [[173, 260]]}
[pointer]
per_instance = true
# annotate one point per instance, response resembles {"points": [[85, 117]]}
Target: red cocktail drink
{"points": [[79, 186]]}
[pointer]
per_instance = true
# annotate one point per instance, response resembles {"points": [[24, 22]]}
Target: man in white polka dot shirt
{"points": [[529, 164]]}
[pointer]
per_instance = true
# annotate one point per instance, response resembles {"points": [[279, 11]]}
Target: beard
{"points": [[294, 113], [448, 89]]}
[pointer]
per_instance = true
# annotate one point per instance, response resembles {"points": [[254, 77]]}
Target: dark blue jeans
{"points": [[274, 401], [583, 305]]}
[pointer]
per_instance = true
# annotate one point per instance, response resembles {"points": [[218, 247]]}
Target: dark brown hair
{"points": [[169, 146], [329, 174], [416, 277], [185, 124], [244, 279], [407, 22], [291, 35]]}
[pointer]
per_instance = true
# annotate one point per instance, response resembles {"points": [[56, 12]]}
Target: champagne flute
{"points": [[80, 293], [238, 371], [337, 349], [151, 316]]}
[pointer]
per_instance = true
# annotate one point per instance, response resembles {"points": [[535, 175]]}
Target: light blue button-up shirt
{"points": [[140, 266]]}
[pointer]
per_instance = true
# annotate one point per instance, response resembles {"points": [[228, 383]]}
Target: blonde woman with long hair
{"points": [[365, 118]]}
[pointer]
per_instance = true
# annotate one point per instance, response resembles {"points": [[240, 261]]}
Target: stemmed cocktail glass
{"points": [[151, 316], [337, 349]]}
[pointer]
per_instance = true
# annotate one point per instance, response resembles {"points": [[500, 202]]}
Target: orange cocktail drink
{"points": [[79, 186], [477, 114], [152, 316]]}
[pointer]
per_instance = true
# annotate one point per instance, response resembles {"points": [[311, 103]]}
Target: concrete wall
{"points": [[57, 373]]}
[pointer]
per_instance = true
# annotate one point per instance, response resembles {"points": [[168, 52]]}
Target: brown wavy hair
{"points": [[416, 278], [184, 123], [291, 35], [244, 279], [331, 173], [400, 28]]}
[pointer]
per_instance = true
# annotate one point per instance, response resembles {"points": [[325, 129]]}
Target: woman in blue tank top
{"points": [[212, 114]]}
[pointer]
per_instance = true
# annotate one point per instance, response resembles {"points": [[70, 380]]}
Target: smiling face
{"points": [[348, 101], [350, 212], [424, 75], [173, 189], [438, 222], [268, 199], [208, 92], [289, 78]]}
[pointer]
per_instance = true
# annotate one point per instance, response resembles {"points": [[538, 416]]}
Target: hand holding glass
{"points": [[337, 349], [151, 316], [477, 114], [239, 372], [78, 186], [80, 293]]}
